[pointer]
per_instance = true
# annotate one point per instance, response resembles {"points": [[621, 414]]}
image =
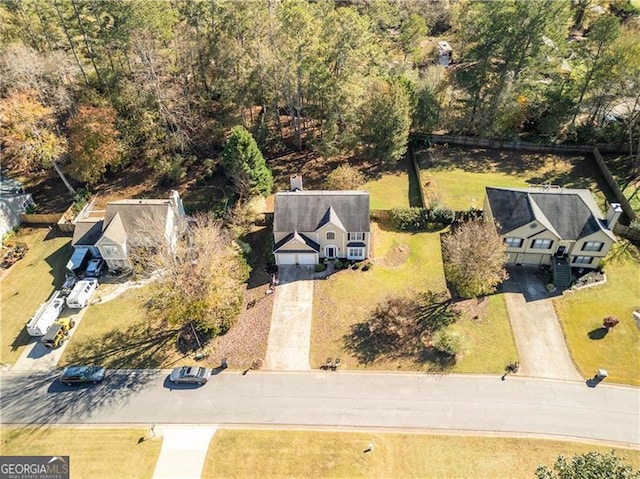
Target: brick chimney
{"points": [[296, 182], [615, 210]]}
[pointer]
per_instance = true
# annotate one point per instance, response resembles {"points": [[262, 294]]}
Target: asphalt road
{"points": [[337, 399]]}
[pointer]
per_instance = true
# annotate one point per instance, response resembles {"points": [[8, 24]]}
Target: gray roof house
{"points": [[126, 223], [554, 226], [13, 202], [311, 225]]}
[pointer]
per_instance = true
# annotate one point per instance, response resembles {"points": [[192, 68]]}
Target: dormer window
{"points": [[331, 235]]}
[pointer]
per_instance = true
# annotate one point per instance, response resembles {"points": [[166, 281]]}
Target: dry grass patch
{"points": [[27, 284], [93, 453], [236, 453]]}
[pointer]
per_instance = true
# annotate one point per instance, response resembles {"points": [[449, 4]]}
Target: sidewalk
{"points": [[184, 451]]}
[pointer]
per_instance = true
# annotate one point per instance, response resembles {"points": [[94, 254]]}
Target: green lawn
{"points": [[582, 313], [27, 285], [93, 453], [403, 265], [118, 334], [239, 454], [394, 188], [457, 177]]}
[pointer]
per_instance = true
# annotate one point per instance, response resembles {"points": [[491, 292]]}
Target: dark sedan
{"points": [[190, 374], [82, 374]]}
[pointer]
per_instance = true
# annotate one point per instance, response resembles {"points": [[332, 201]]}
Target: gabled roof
{"points": [[308, 210], [295, 236], [569, 213], [135, 218], [87, 232]]}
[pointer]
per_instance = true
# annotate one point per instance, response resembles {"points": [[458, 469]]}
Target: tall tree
{"points": [[385, 120], [28, 134], [93, 143], [412, 30], [474, 258], [244, 163]]}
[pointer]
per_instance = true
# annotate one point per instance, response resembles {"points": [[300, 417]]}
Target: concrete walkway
{"points": [[290, 333], [538, 335], [184, 451]]}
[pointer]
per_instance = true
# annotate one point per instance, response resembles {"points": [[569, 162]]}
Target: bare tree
{"points": [[203, 274], [474, 258]]}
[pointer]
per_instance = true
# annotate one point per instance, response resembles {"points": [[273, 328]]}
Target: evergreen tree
{"points": [[244, 163]]}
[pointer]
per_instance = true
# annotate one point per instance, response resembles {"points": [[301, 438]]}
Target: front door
{"points": [[331, 252], [561, 251]]}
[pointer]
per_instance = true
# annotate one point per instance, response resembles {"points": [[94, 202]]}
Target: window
{"points": [[331, 235], [541, 243], [110, 250], [592, 246], [513, 242], [355, 236], [582, 260], [355, 253]]}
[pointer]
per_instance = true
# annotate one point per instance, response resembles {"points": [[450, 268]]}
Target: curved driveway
{"points": [[338, 399]]}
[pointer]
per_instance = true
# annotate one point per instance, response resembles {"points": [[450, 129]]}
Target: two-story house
{"points": [[311, 225], [553, 226], [128, 223]]}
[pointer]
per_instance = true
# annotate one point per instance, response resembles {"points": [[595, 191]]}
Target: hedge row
{"points": [[417, 219]]}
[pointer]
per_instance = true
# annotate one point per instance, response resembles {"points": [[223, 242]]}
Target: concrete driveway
{"points": [[538, 335], [290, 333]]}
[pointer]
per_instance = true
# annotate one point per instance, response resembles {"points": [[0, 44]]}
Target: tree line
{"points": [[104, 84]]}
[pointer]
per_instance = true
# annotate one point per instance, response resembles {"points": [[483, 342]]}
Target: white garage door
{"points": [[305, 258], [296, 258], [284, 258]]}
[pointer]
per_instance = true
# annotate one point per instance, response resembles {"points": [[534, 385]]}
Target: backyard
{"points": [[239, 453], [403, 265], [457, 177], [581, 315], [29, 283]]}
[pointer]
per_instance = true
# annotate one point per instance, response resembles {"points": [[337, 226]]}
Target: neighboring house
{"points": [[311, 225], [128, 223], [553, 226], [13, 202]]}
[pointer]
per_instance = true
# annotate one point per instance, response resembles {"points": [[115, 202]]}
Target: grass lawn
{"points": [[457, 177], [582, 312], [117, 334], [93, 453], [393, 189], [29, 283], [236, 453], [403, 264]]}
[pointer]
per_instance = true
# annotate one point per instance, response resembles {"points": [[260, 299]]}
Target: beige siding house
{"points": [[128, 223], [553, 226], [311, 225]]}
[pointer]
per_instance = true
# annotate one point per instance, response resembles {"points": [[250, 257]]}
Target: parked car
{"points": [[95, 268], [69, 282], [81, 293], [190, 374], [82, 374]]}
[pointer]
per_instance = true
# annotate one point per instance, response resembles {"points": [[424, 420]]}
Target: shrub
{"points": [[449, 343], [416, 219], [338, 264], [367, 267], [320, 267], [610, 322]]}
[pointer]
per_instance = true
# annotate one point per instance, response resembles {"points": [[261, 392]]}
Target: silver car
{"points": [[190, 374]]}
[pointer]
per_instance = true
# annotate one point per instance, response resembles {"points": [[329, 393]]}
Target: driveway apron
{"points": [[538, 335], [290, 333], [184, 451]]}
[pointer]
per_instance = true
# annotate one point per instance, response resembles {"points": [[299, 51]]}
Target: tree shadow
{"points": [[597, 333], [57, 261], [139, 346]]}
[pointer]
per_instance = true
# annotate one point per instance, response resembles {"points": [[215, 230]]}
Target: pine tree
{"points": [[243, 162]]}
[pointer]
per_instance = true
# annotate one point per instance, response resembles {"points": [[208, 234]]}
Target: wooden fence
{"points": [[604, 169], [521, 145], [36, 219]]}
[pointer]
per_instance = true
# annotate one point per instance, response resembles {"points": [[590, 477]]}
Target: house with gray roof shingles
{"points": [[311, 225], [13, 202], [553, 226], [128, 223]]}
